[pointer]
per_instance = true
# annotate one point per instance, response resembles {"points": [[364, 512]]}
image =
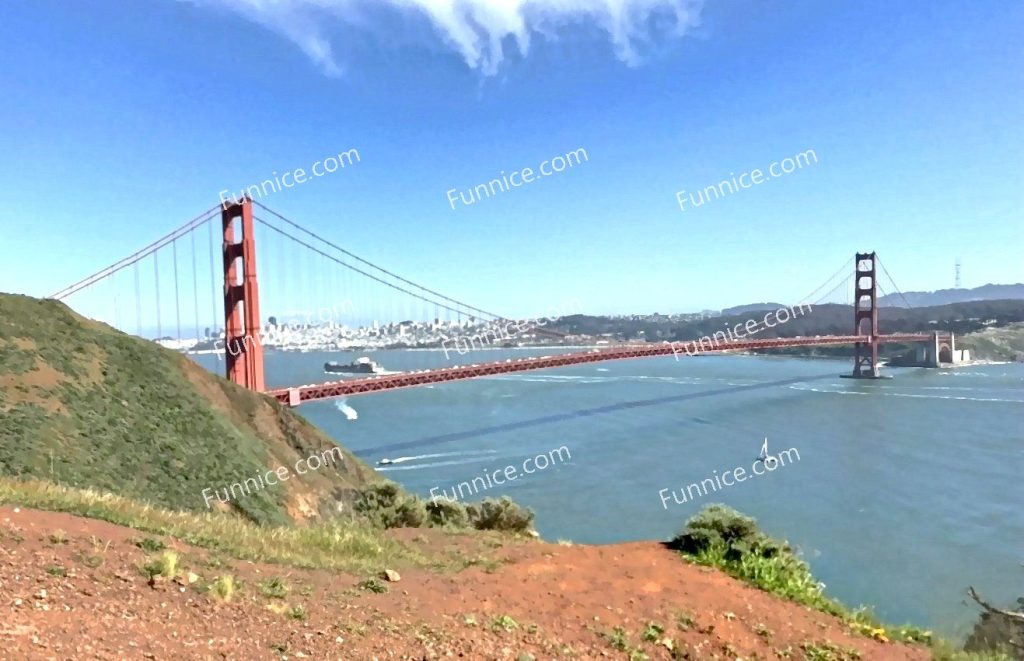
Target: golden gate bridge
{"points": [[306, 266]]}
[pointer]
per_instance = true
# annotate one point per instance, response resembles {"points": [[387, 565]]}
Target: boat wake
{"points": [[349, 412], [466, 455]]}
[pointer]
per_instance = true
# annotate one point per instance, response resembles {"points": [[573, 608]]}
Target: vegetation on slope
{"points": [[84, 405], [355, 541], [1004, 344], [719, 536]]}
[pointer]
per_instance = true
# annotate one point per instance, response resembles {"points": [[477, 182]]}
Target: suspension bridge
{"points": [[191, 292]]}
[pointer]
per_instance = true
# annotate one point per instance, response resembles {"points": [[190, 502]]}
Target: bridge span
{"points": [[235, 302], [297, 395]]}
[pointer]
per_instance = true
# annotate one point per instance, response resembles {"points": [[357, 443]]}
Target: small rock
{"points": [[392, 575], [191, 578]]}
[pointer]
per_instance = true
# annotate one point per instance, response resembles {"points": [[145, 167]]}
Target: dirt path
{"points": [[72, 588]]}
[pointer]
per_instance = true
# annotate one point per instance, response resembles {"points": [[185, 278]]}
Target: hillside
{"points": [[78, 588], [825, 319], [988, 292], [84, 405], [1005, 343]]}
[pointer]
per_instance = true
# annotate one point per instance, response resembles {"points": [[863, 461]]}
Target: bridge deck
{"points": [[307, 393]]}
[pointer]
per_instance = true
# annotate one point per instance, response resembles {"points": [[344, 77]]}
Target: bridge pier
{"points": [[865, 309]]}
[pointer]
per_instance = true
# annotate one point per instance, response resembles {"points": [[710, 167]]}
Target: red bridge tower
{"points": [[865, 309], [243, 346]]}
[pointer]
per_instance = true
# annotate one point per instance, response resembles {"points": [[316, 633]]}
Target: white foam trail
{"points": [[461, 453], [350, 413], [468, 460], [901, 394]]}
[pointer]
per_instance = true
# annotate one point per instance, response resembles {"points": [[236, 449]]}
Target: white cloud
{"points": [[477, 29]]}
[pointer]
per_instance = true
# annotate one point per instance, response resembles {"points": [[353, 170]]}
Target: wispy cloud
{"points": [[479, 30]]}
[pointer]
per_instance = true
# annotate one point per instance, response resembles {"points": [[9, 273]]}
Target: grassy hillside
{"points": [[1006, 343], [84, 405]]}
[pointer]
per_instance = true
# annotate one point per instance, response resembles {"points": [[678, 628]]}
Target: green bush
{"points": [[385, 505], [721, 537], [444, 512], [721, 529], [502, 514]]}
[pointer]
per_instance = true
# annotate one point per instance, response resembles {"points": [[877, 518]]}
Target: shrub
{"points": [[502, 514], [442, 511], [373, 585], [721, 529], [223, 588], [387, 506], [274, 587], [166, 565], [719, 536]]}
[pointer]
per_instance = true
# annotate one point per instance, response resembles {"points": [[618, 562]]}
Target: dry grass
{"points": [[340, 544]]}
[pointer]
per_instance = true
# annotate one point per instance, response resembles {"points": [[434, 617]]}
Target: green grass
{"points": [[373, 585], [339, 544], [223, 588], [275, 588], [719, 536], [91, 407], [164, 565]]}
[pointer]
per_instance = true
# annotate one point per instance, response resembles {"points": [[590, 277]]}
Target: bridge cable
{"points": [[136, 256], [895, 286], [138, 302], [349, 266], [842, 268], [177, 297], [213, 282], [195, 283], [156, 272], [371, 264]]}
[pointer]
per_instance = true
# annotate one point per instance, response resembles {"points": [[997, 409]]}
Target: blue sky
{"points": [[120, 121]]}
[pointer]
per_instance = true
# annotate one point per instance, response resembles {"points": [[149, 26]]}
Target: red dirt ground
{"points": [[554, 602]]}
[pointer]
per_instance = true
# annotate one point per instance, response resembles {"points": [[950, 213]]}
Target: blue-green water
{"points": [[907, 490]]}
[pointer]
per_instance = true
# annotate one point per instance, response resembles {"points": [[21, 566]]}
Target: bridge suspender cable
{"points": [[135, 257], [356, 269], [894, 285], [372, 265]]}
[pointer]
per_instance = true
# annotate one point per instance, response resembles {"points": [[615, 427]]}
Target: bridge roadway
{"points": [[301, 394]]}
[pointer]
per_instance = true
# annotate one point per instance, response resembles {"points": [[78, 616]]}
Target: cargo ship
{"points": [[358, 366]]}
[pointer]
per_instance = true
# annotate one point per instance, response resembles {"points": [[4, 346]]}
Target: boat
{"points": [[358, 366], [385, 462]]}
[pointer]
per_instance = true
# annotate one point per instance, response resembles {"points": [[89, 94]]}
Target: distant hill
{"points": [[85, 405], [825, 319], [752, 307], [946, 296]]}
